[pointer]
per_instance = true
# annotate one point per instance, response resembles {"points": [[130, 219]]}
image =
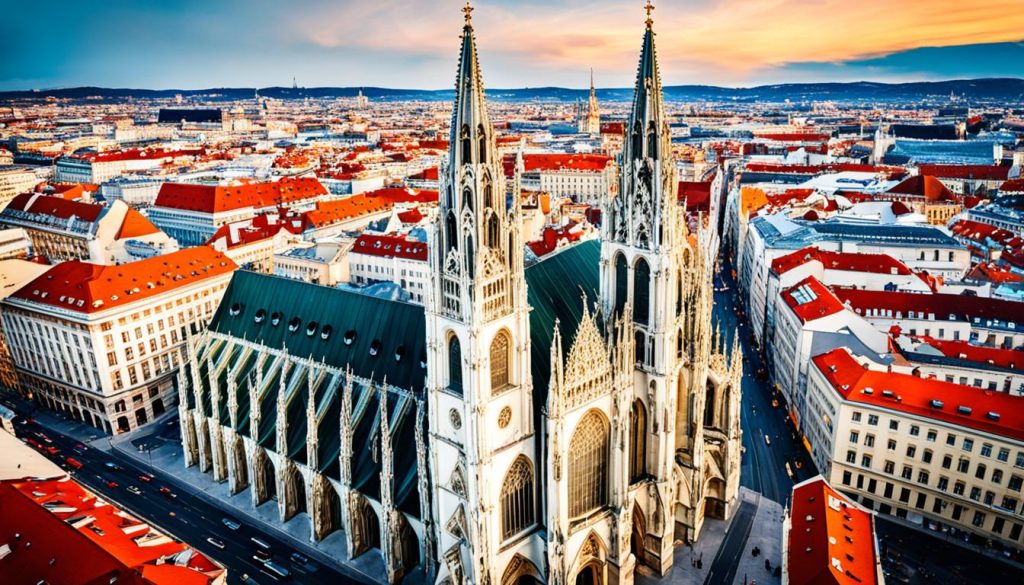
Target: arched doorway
{"points": [[408, 547], [520, 571], [122, 424], [327, 507], [588, 575], [241, 471], [365, 527], [295, 492], [264, 479], [638, 535]]}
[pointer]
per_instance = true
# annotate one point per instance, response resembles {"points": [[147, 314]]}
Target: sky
{"points": [[190, 44]]}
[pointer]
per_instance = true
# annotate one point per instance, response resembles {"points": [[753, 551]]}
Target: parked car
{"points": [[217, 543], [111, 484], [134, 490], [230, 523], [146, 477]]}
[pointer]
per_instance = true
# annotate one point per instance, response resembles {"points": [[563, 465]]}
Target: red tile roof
{"points": [[551, 237], [870, 263], [1012, 186], [942, 305], [89, 288], [216, 198], [974, 408], [996, 356], [793, 136], [101, 545], [927, 187], [696, 194], [984, 172], [984, 233], [592, 163], [390, 246], [57, 207], [831, 540], [811, 300], [135, 225], [262, 227], [892, 172], [138, 154]]}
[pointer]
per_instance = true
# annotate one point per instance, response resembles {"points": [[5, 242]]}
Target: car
{"points": [[134, 490], [299, 558], [113, 466], [81, 446], [111, 484], [767, 441], [232, 524], [146, 477], [74, 462], [217, 543], [276, 571], [166, 491], [52, 450]]}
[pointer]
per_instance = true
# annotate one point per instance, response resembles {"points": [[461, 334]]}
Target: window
{"points": [[975, 493], [926, 456], [968, 445], [947, 462], [989, 498], [856, 417], [1004, 455], [997, 476], [641, 292], [911, 451], [638, 441], [980, 472], [854, 437], [869, 440], [851, 456], [865, 460], [922, 477], [1009, 503], [1015, 483], [112, 359], [889, 467], [1020, 460], [915, 430], [517, 504], [891, 445], [500, 349], [986, 450], [847, 477], [931, 436], [907, 472], [951, 439], [894, 425], [943, 483], [454, 364], [979, 519], [963, 465], [588, 465], [958, 488], [873, 419]]}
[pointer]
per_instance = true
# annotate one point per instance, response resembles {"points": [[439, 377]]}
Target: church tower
{"points": [[482, 447], [592, 123], [643, 253]]}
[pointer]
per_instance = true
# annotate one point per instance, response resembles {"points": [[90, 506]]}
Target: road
{"points": [[723, 568], [763, 467], [189, 519]]}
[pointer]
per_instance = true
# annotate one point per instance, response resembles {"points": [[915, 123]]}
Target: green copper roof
{"points": [[387, 337], [555, 291]]}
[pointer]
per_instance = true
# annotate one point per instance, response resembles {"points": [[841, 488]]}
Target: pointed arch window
{"points": [[652, 141], [481, 132], [489, 195], [450, 231], [641, 292], [454, 364], [637, 442], [467, 198], [500, 358], [621, 283], [588, 465], [518, 510], [709, 406], [638, 141], [467, 146], [493, 229]]}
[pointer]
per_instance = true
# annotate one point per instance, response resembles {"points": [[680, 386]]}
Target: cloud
{"points": [[403, 43]]}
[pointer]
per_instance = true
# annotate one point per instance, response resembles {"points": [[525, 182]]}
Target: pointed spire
{"points": [[470, 111], [648, 106]]}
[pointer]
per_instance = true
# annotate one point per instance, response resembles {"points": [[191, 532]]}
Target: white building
{"points": [[324, 262], [944, 456], [103, 343], [15, 180], [390, 258]]}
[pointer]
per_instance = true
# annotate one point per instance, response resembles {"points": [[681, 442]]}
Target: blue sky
{"points": [[413, 43]]}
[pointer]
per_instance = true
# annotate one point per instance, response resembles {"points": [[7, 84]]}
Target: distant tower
{"points": [[295, 84], [361, 100], [883, 141], [593, 110]]}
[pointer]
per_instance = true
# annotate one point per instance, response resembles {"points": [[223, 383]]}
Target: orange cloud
{"points": [[718, 36]]}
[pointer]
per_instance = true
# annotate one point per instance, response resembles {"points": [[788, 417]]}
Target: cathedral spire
{"points": [[469, 116], [648, 113]]}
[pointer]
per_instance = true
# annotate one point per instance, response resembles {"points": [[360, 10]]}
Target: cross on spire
{"points": [[649, 8], [469, 13]]}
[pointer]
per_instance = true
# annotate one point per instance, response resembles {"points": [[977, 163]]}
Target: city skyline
{"points": [[353, 44]]}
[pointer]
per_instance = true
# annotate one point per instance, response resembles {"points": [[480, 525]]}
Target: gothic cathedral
{"points": [[562, 423]]}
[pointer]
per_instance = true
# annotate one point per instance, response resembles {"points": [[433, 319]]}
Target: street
{"points": [[190, 519], [763, 468]]}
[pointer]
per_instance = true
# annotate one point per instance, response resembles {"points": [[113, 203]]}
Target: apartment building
{"points": [[324, 262], [944, 456], [62, 229], [390, 258], [103, 343]]}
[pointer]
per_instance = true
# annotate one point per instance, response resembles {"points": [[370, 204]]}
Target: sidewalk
{"points": [[765, 532], [167, 456]]}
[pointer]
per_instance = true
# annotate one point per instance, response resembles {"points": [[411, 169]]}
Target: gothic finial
{"points": [[649, 8], [468, 10]]}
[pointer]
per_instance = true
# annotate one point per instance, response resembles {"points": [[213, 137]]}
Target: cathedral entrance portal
{"points": [[588, 576]]}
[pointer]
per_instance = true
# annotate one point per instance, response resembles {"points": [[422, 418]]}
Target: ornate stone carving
{"points": [[504, 417], [455, 418]]}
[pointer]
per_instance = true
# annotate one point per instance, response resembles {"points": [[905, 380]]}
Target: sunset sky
{"points": [[413, 43]]}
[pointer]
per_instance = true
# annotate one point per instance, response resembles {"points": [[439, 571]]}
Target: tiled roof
{"points": [[138, 154], [696, 194], [1012, 186], [135, 225], [831, 540], [217, 198], [871, 263], [985, 233], [390, 246], [996, 356], [984, 172], [982, 410], [593, 163], [944, 306], [927, 187], [77, 537], [811, 300], [57, 207], [88, 288]]}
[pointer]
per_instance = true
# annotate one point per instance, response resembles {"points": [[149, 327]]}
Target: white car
{"points": [[767, 441], [217, 543], [134, 490]]}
